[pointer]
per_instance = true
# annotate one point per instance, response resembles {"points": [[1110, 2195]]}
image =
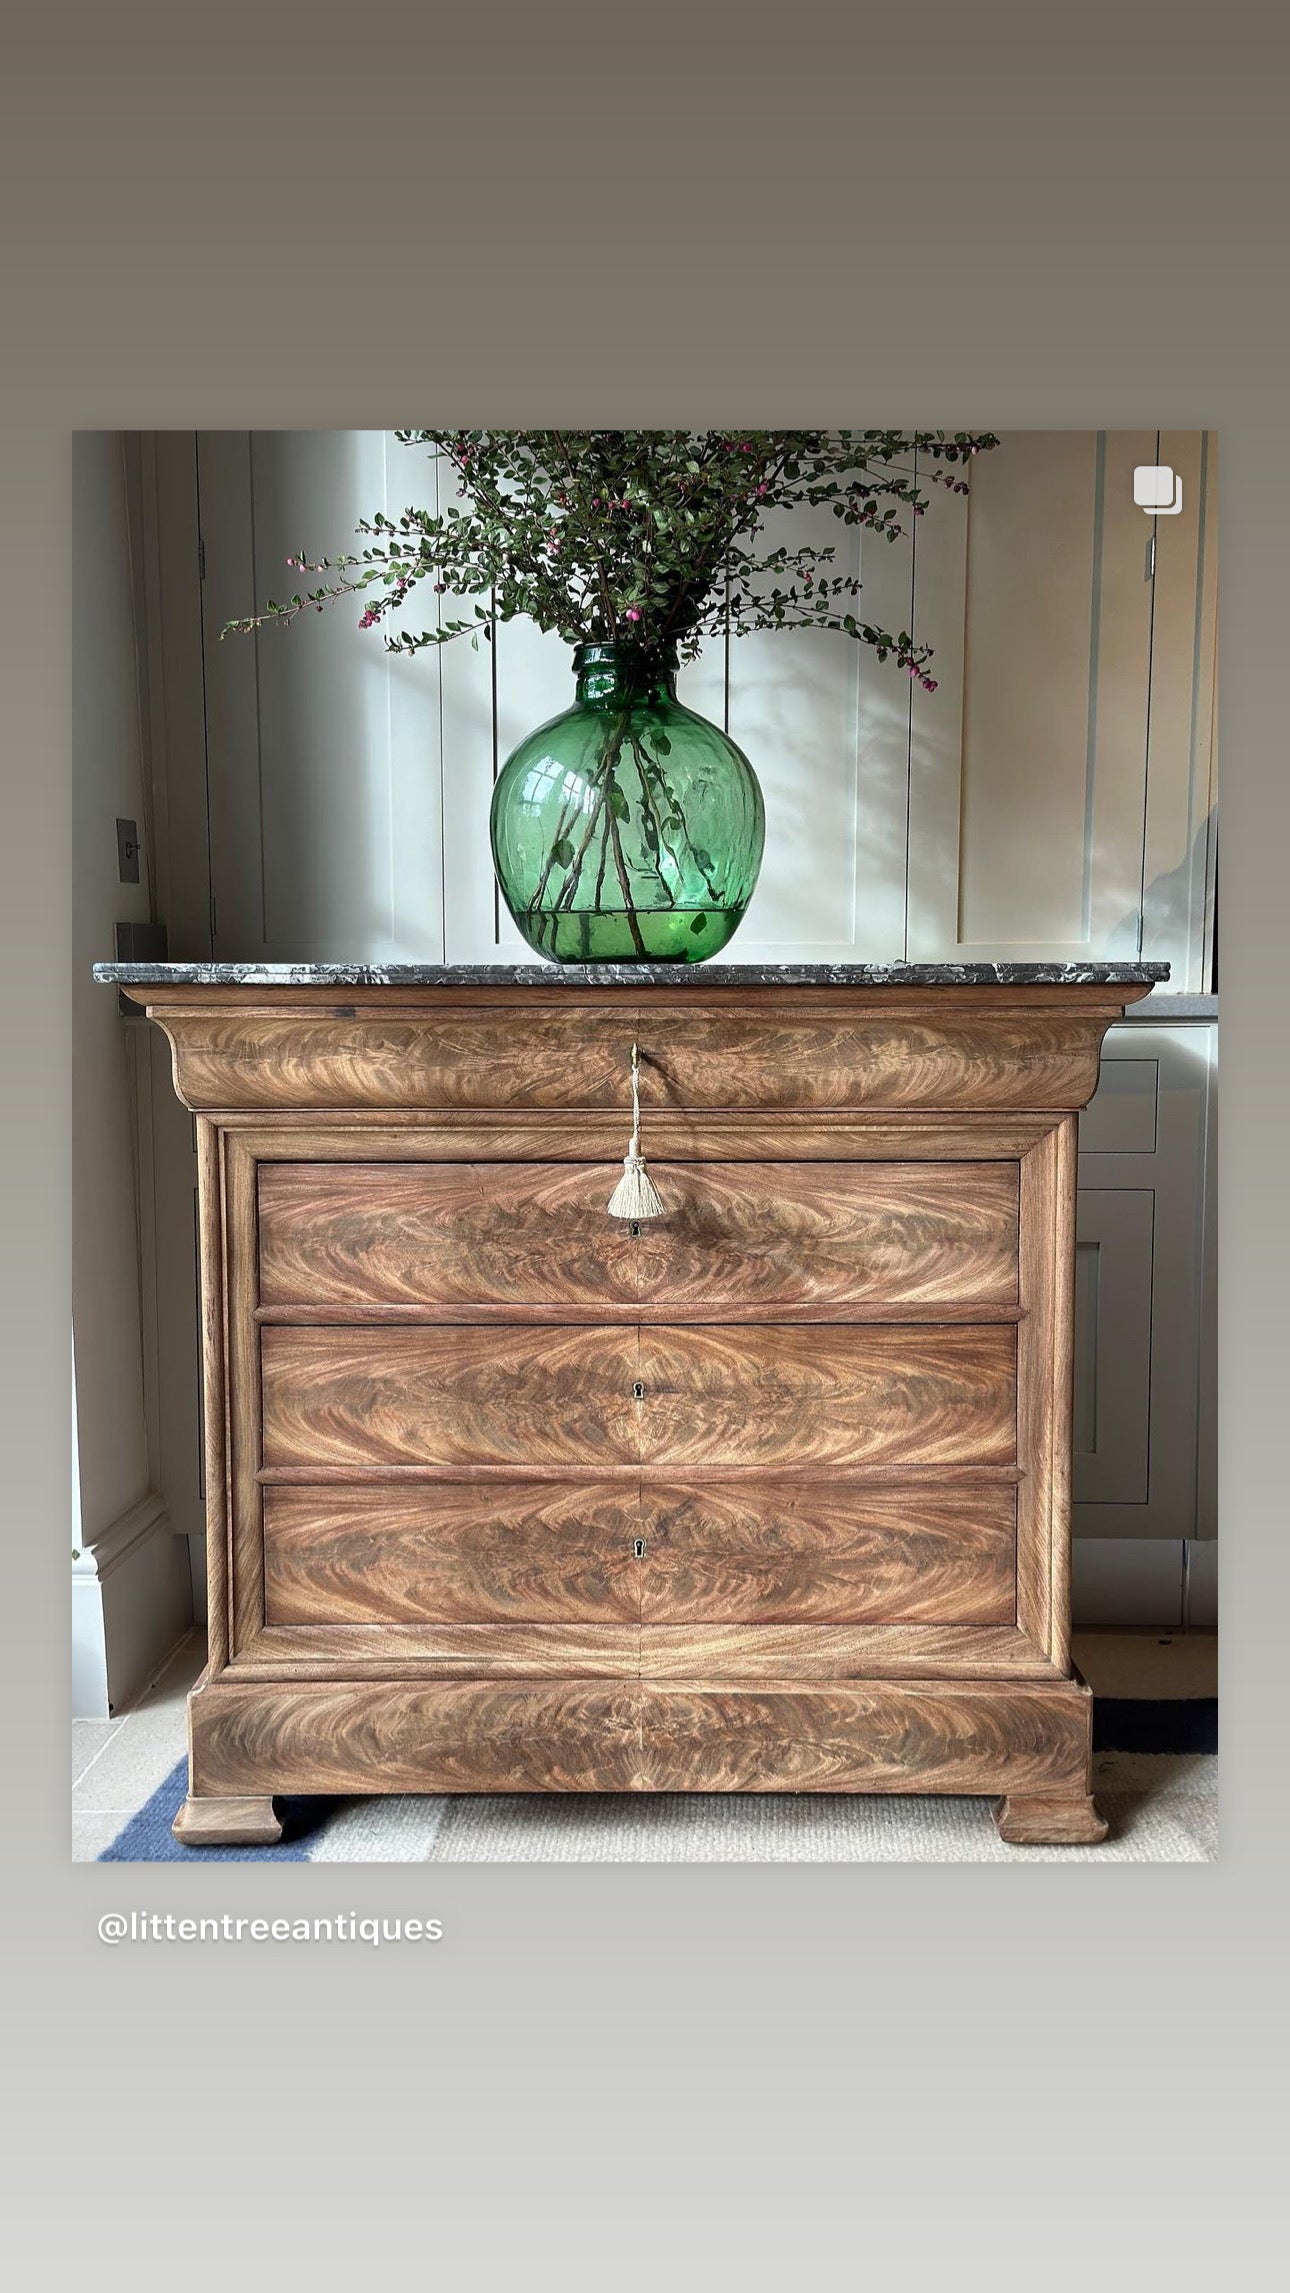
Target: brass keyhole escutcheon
{"points": [[639, 1548], [638, 1391]]}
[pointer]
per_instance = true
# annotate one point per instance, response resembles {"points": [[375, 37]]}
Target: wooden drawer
{"points": [[885, 1051], [737, 1237], [747, 1550], [582, 1735], [775, 1394]]}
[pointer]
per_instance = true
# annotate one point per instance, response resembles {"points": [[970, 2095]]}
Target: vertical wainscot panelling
{"points": [[826, 726], [1052, 798], [1178, 853], [176, 702], [324, 750], [1028, 764]]}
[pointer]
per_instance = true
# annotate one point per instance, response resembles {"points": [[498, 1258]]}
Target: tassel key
{"points": [[636, 1195]]}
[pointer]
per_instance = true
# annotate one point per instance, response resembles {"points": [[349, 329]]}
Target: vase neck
{"points": [[617, 672]]}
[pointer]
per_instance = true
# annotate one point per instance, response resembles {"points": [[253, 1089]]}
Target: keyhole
{"points": [[634, 1228], [638, 1390], [639, 1548]]}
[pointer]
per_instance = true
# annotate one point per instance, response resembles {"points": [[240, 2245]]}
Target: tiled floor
{"points": [[117, 1764]]}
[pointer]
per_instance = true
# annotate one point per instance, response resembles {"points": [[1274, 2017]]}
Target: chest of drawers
{"points": [[505, 1494]]}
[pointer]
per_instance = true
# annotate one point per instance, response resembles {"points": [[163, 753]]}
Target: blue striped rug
{"points": [[148, 1838]]}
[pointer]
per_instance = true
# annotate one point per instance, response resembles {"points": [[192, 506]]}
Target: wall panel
{"points": [[1029, 764], [1059, 778]]}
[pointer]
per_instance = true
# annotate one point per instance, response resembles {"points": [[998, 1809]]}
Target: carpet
{"points": [[1162, 1807], [147, 1837]]}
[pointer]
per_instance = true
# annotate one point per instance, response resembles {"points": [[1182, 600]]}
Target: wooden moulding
{"points": [[743, 1654], [994, 1054], [591, 1135], [214, 1393], [1029, 1741], [323, 999], [244, 1411], [1045, 1375]]}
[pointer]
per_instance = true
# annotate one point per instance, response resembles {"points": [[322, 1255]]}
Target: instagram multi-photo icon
{"points": [[1158, 490]]}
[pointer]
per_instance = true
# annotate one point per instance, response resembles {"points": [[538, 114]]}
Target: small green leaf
{"points": [[699, 923], [562, 851]]}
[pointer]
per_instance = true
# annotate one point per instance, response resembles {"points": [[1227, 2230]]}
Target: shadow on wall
{"points": [[324, 748], [1174, 904], [830, 746]]}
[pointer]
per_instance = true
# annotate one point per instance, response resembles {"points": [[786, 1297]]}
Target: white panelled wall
{"points": [[316, 798]]}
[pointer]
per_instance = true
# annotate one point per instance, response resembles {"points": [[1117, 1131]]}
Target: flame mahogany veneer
{"points": [[504, 1496]]}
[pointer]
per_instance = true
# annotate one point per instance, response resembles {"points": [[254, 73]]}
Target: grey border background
{"points": [[1005, 216]]}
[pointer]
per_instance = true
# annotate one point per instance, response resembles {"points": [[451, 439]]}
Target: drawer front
{"points": [[769, 1550], [736, 1237], [828, 1396], [755, 1550], [441, 1234], [453, 1554], [772, 1395], [371, 1397], [956, 1059], [591, 1736], [752, 1058], [503, 1058]]}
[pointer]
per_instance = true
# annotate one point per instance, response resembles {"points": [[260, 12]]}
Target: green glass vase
{"points": [[628, 830]]}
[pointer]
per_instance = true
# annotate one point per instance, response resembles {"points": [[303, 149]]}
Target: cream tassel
{"points": [[635, 1195]]}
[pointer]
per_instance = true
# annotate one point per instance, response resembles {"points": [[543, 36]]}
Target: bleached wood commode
{"points": [[504, 1495]]}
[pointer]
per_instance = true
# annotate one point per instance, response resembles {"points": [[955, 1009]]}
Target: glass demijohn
{"points": [[627, 830]]}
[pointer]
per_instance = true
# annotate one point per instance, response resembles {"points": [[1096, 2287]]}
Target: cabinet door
{"points": [[1143, 1463]]}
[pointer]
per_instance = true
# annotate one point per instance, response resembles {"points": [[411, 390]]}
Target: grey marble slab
{"points": [[630, 975]]}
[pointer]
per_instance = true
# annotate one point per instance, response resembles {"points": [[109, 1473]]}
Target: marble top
{"points": [[631, 975]]}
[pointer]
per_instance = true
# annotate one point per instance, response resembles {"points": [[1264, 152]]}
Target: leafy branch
{"points": [[656, 535]]}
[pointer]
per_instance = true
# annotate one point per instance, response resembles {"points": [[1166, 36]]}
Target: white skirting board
{"points": [[131, 1603]]}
